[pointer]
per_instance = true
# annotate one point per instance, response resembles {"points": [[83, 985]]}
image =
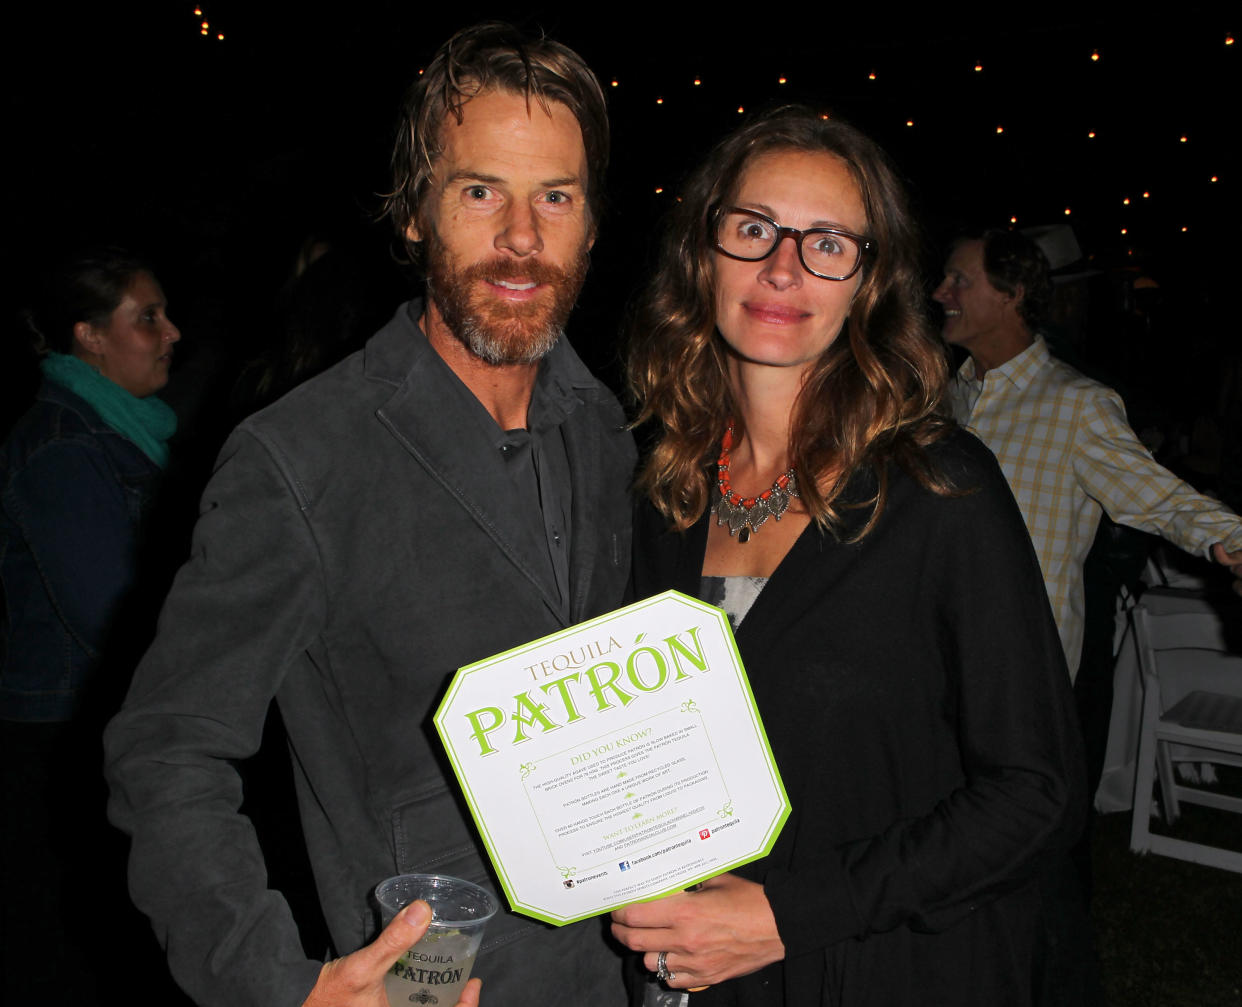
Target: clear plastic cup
{"points": [[434, 971]]}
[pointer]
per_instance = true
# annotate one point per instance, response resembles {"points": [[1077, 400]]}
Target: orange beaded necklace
{"points": [[744, 515]]}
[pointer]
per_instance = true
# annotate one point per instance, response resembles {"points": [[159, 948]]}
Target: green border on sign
{"points": [[770, 835]]}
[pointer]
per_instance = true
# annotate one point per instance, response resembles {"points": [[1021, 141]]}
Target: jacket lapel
{"points": [[441, 424]]}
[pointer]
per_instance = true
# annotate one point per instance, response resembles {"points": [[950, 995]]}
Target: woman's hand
{"points": [[722, 930]]}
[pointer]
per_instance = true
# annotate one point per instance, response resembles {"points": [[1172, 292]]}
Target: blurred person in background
{"points": [[78, 472]]}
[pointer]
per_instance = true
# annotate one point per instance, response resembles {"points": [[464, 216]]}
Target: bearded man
{"points": [[453, 490]]}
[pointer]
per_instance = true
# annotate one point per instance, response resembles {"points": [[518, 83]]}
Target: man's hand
{"points": [[1233, 560], [357, 980]]}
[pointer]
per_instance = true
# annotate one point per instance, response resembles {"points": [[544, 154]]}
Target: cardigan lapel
{"points": [[791, 593]]}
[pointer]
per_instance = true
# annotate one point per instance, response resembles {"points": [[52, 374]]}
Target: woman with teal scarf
{"points": [[77, 472]]}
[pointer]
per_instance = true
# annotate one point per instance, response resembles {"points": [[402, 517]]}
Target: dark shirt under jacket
{"points": [[357, 544], [917, 702]]}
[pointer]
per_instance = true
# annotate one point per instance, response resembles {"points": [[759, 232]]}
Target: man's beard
{"points": [[497, 331]]}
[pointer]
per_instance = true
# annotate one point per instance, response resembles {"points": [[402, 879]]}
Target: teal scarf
{"points": [[147, 422]]}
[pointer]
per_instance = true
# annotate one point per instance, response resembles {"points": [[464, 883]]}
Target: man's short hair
{"points": [[492, 56], [1014, 261]]}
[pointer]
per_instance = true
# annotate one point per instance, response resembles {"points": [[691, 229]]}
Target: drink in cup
{"points": [[433, 972]]}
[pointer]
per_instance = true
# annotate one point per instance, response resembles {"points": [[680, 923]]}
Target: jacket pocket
{"points": [[431, 836]]}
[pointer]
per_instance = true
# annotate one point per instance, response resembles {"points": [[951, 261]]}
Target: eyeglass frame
{"points": [[866, 246]]}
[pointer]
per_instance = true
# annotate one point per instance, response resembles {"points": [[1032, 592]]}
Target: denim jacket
{"points": [[72, 493]]}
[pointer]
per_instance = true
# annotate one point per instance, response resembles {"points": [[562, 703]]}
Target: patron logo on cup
{"points": [[435, 970]]}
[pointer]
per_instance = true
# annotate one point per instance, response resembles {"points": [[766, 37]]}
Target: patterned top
{"points": [[734, 594], [1067, 451]]}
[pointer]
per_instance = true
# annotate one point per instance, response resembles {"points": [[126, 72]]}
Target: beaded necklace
{"points": [[744, 515]]}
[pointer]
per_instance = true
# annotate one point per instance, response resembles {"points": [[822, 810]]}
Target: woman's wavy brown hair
{"points": [[872, 398]]}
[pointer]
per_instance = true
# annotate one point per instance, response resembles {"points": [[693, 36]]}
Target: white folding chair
{"points": [[1192, 711]]}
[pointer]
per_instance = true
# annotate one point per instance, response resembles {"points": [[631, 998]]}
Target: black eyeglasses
{"points": [[826, 252]]}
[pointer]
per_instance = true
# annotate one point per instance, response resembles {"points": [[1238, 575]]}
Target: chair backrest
{"points": [[1180, 630], [1180, 652]]}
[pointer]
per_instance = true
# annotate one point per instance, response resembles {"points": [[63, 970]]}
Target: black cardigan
{"points": [[917, 702]]}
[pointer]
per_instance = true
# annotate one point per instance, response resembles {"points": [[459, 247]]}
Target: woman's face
{"points": [[135, 348], [773, 312]]}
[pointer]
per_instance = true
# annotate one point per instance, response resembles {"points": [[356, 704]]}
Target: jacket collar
{"points": [[448, 431]]}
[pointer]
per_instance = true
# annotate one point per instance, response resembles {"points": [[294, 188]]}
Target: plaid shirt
{"points": [[1063, 443]]}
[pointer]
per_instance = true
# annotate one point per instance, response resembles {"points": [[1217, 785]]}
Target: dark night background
{"points": [[220, 157]]}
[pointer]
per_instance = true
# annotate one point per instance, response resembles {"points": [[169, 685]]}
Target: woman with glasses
{"points": [[884, 594]]}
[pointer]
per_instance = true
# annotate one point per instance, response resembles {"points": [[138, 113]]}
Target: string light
{"points": [[741, 109], [871, 75], [1213, 178], [999, 130], [978, 68], [1126, 201], [1125, 231], [697, 82], [1067, 211], [204, 25], [1095, 55], [1013, 220], [1185, 229], [202, 31], [659, 101], [659, 189], [1147, 195], [220, 36], [614, 82], [782, 80], [1091, 134], [198, 11], [909, 122], [1183, 140], [1228, 40]]}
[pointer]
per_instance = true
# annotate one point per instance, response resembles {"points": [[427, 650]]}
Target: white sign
{"points": [[616, 761]]}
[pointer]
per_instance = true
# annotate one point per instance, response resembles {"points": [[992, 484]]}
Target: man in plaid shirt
{"points": [[1062, 439]]}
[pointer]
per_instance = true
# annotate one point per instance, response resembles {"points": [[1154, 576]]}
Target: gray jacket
{"points": [[353, 548]]}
